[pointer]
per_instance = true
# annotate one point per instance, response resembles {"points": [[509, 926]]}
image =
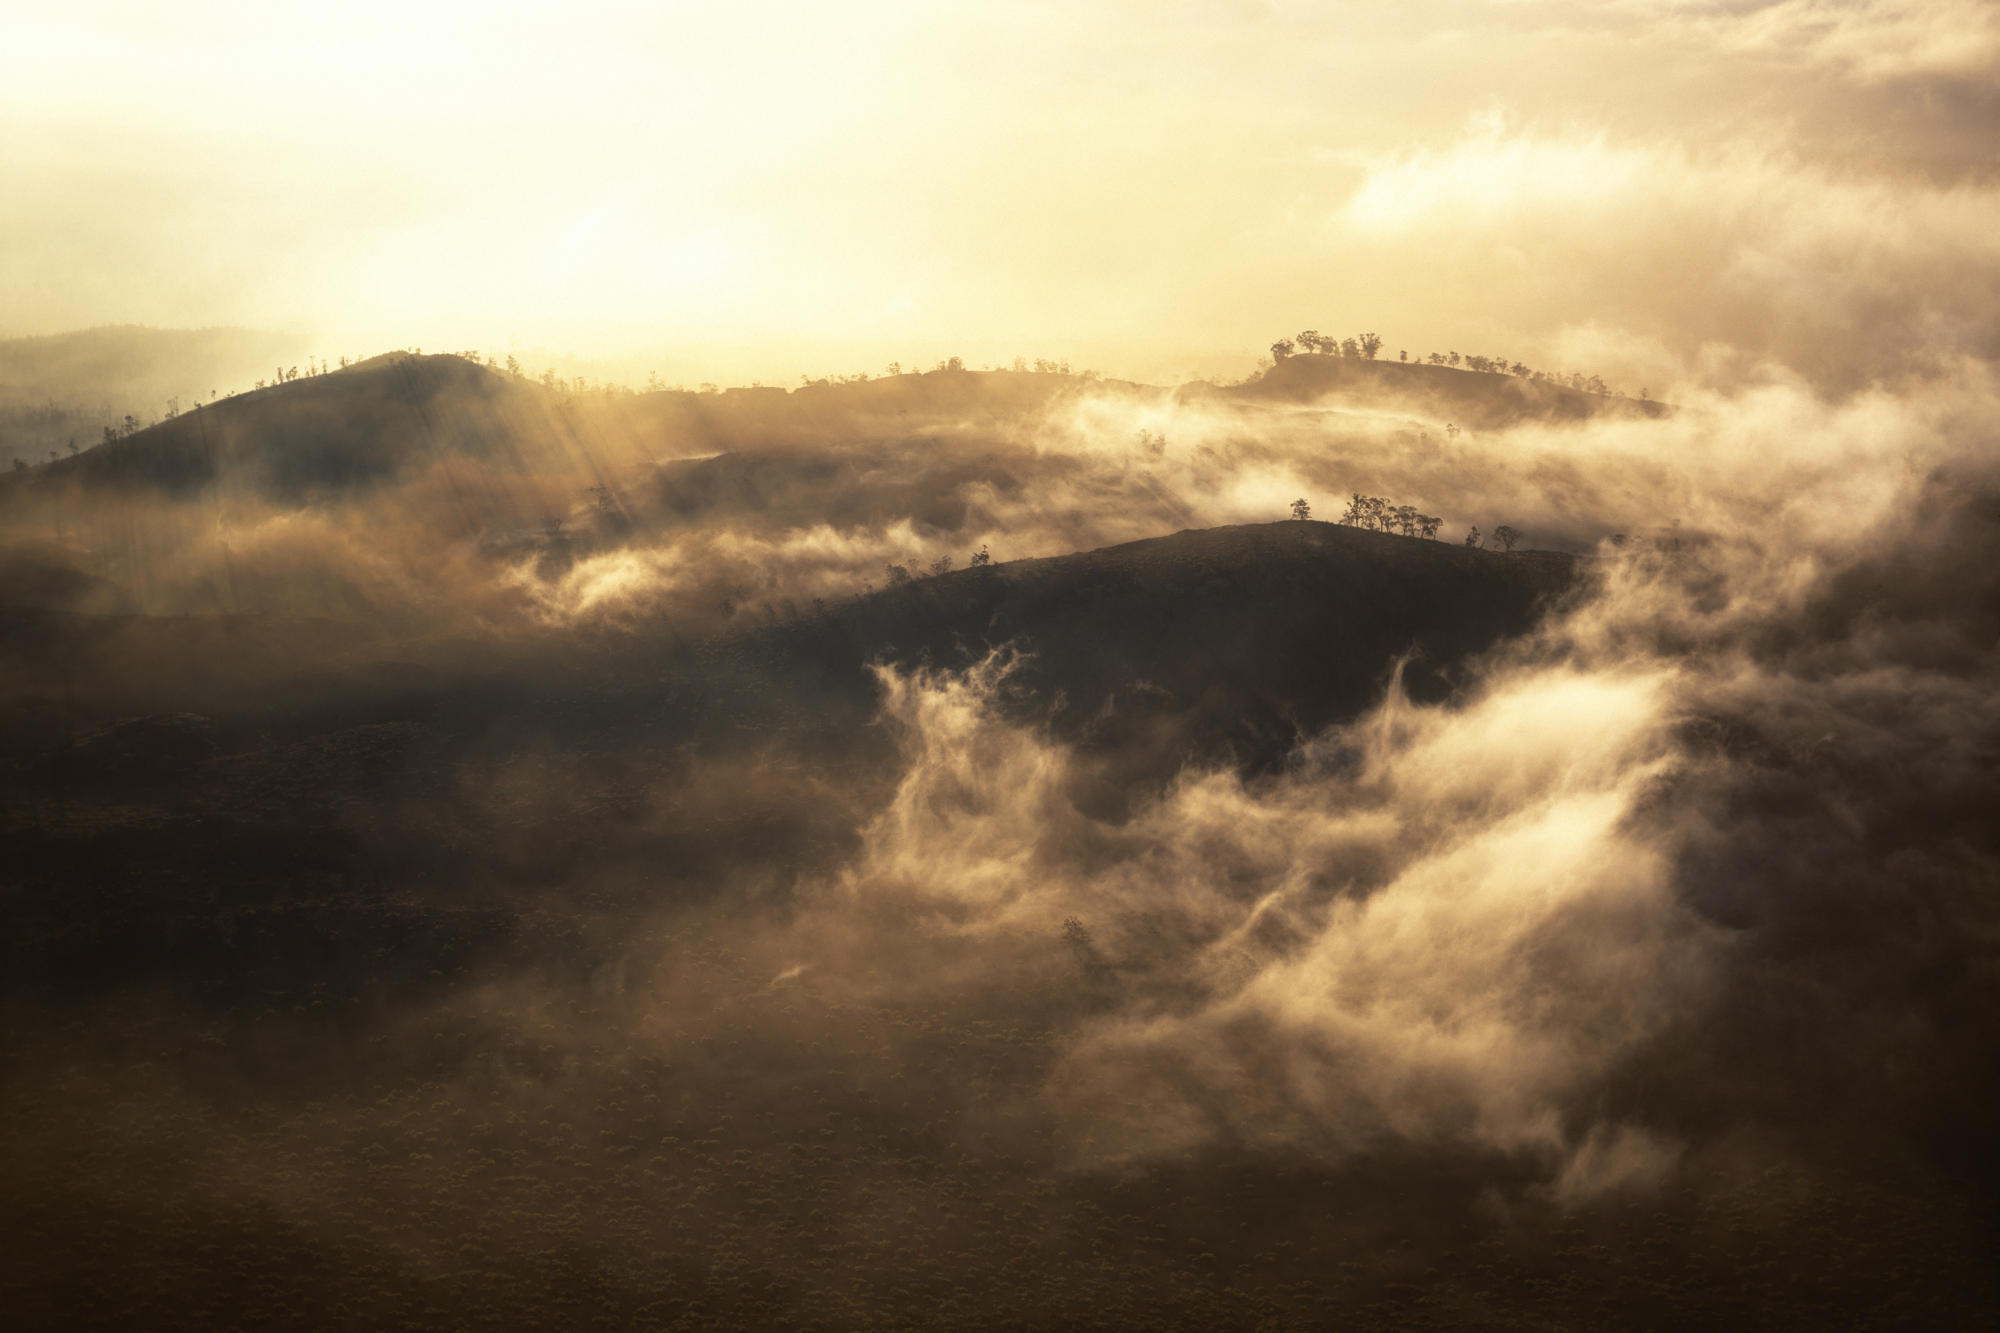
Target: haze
{"points": [[1156, 666], [753, 190]]}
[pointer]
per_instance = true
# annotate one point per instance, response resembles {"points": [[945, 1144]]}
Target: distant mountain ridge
{"points": [[1483, 400], [360, 423]]}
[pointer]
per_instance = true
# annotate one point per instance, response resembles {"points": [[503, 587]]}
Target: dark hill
{"points": [[1245, 635], [388, 418], [151, 767], [1224, 644], [1479, 399], [341, 431]]}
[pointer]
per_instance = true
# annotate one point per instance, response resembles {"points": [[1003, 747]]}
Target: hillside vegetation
{"points": [[1479, 399]]}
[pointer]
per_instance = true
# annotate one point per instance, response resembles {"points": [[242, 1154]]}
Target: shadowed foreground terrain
{"points": [[523, 872]]}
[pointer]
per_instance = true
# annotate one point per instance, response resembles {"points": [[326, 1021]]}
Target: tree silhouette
{"points": [[1370, 345], [1281, 349], [1472, 538], [1301, 510], [980, 558], [1506, 536]]}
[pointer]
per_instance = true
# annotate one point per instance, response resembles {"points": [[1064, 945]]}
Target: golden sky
{"points": [[1658, 191]]}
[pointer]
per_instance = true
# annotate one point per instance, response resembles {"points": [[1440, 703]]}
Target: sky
{"points": [[1663, 193]]}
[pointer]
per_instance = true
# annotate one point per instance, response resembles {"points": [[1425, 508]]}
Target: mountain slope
{"points": [[1224, 644], [1478, 399]]}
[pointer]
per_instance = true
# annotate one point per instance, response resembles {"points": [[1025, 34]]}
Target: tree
{"points": [[980, 558], [1309, 340], [1506, 536], [1472, 538], [1403, 355], [941, 565], [1370, 345], [20, 465], [1428, 526], [1301, 510], [1281, 349], [1349, 348], [898, 574]]}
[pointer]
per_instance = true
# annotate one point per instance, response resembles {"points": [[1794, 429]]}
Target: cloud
{"points": [[1872, 41], [1842, 278]]}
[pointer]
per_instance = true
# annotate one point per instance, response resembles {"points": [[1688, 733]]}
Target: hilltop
{"points": [[1230, 643], [399, 412], [394, 415], [1480, 399], [59, 390], [342, 430]]}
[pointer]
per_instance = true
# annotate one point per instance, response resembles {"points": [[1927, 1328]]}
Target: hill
{"points": [[1236, 639], [362, 424], [1482, 400], [1225, 644], [285, 762], [62, 389], [340, 431]]}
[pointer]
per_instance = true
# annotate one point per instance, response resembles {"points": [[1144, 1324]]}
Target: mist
{"points": [[1069, 810]]}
